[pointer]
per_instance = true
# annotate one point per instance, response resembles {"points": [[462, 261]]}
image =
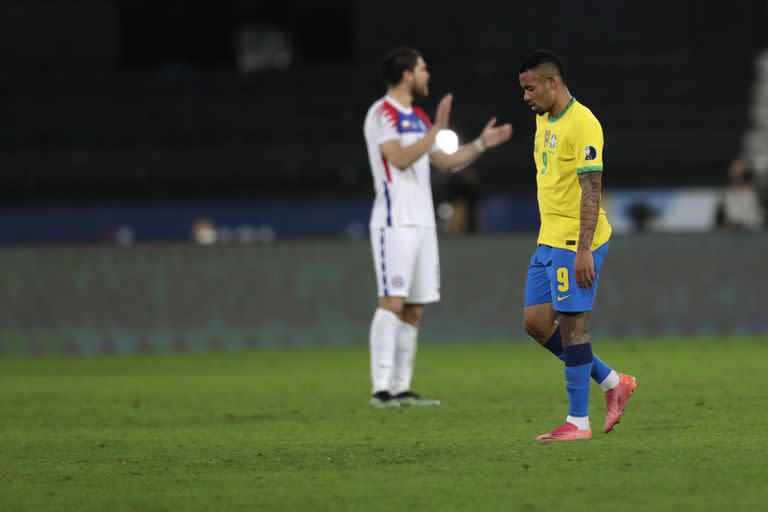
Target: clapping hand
{"points": [[494, 135], [443, 114]]}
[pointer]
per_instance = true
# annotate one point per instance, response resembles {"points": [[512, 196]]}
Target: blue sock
{"points": [[599, 371], [578, 364], [555, 344]]}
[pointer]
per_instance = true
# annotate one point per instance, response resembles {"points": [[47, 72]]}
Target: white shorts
{"points": [[407, 263]]}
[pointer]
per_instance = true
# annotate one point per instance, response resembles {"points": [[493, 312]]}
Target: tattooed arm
{"points": [[584, 265]]}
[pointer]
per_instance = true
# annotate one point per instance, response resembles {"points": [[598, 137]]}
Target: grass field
{"points": [[291, 430]]}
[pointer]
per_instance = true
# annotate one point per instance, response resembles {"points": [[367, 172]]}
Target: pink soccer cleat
{"points": [[565, 432], [616, 399]]}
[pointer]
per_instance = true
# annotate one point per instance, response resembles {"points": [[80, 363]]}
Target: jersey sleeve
{"points": [[588, 145], [385, 125]]}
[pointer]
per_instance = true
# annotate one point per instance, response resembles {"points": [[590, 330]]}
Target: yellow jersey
{"points": [[566, 146]]}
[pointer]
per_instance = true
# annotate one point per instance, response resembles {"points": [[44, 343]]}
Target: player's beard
{"points": [[419, 92]]}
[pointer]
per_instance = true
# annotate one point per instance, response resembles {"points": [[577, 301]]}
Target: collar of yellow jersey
{"points": [[561, 114]]}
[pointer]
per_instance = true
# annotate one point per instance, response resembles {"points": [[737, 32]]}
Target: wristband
{"points": [[479, 146]]}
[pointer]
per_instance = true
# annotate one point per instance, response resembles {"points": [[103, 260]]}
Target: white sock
{"points": [[405, 356], [611, 381], [382, 340], [580, 421]]}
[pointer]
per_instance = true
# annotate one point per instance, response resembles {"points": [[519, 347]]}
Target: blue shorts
{"points": [[551, 279]]}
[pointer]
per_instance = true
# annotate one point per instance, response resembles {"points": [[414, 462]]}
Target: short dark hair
{"points": [[544, 56], [397, 62]]}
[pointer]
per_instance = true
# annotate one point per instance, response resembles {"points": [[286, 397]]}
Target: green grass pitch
{"points": [[291, 430]]}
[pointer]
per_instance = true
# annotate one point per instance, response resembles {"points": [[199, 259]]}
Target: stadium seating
{"points": [[671, 112]]}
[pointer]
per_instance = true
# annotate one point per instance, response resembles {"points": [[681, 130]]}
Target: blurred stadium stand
{"points": [[137, 101], [671, 86]]}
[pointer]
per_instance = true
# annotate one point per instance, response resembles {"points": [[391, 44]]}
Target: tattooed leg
{"points": [[574, 328]]}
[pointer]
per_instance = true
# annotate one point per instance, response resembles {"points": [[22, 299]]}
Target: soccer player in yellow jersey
{"points": [[565, 269]]}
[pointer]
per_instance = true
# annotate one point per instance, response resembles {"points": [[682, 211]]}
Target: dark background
{"points": [[143, 100]]}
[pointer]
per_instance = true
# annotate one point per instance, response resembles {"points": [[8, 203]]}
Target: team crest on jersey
{"points": [[546, 137], [590, 153], [398, 282], [552, 142], [405, 124]]}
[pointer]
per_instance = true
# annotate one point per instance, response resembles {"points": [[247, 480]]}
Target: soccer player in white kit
{"points": [[401, 144]]}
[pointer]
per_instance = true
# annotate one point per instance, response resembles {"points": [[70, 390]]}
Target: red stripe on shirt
{"points": [[386, 168], [390, 112], [424, 117]]}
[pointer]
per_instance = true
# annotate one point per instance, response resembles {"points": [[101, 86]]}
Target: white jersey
{"points": [[403, 197]]}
